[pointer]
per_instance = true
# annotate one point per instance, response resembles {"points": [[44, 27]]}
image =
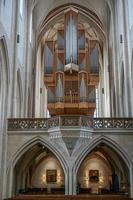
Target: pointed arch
{"points": [[24, 148], [57, 12], [110, 143], [107, 141]]}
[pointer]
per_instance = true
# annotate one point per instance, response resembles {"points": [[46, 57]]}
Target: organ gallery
{"points": [[71, 66]]}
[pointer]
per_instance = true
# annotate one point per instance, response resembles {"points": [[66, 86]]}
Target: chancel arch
{"points": [[109, 165]]}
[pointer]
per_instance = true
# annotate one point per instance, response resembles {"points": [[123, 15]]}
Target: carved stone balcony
{"points": [[69, 131], [25, 124]]}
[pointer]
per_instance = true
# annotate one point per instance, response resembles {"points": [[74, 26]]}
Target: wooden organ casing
{"points": [[71, 72]]}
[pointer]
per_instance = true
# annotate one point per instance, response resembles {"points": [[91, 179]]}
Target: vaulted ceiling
{"points": [[97, 10]]}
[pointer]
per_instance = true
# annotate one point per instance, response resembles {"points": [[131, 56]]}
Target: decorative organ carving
{"points": [[71, 64]]}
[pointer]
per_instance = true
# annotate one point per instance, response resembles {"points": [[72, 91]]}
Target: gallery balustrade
{"points": [[23, 124]]}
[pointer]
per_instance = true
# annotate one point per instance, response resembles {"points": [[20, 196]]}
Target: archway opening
{"points": [[103, 171], [41, 172]]}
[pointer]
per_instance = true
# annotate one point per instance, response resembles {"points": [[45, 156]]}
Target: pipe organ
{"points": [[71, 72]]}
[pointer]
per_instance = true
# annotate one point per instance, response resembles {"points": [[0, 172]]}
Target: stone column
{"points": [[115, 88], [127, 71], [70, 192], [74, 184], [38, 83], [14, 70], [66, 184], [131, 181], [9, 183]]}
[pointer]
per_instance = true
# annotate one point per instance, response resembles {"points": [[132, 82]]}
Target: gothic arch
{"points": [[56, 13], [24, 148], [107, 141], [34, 141], [109, 4]]}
